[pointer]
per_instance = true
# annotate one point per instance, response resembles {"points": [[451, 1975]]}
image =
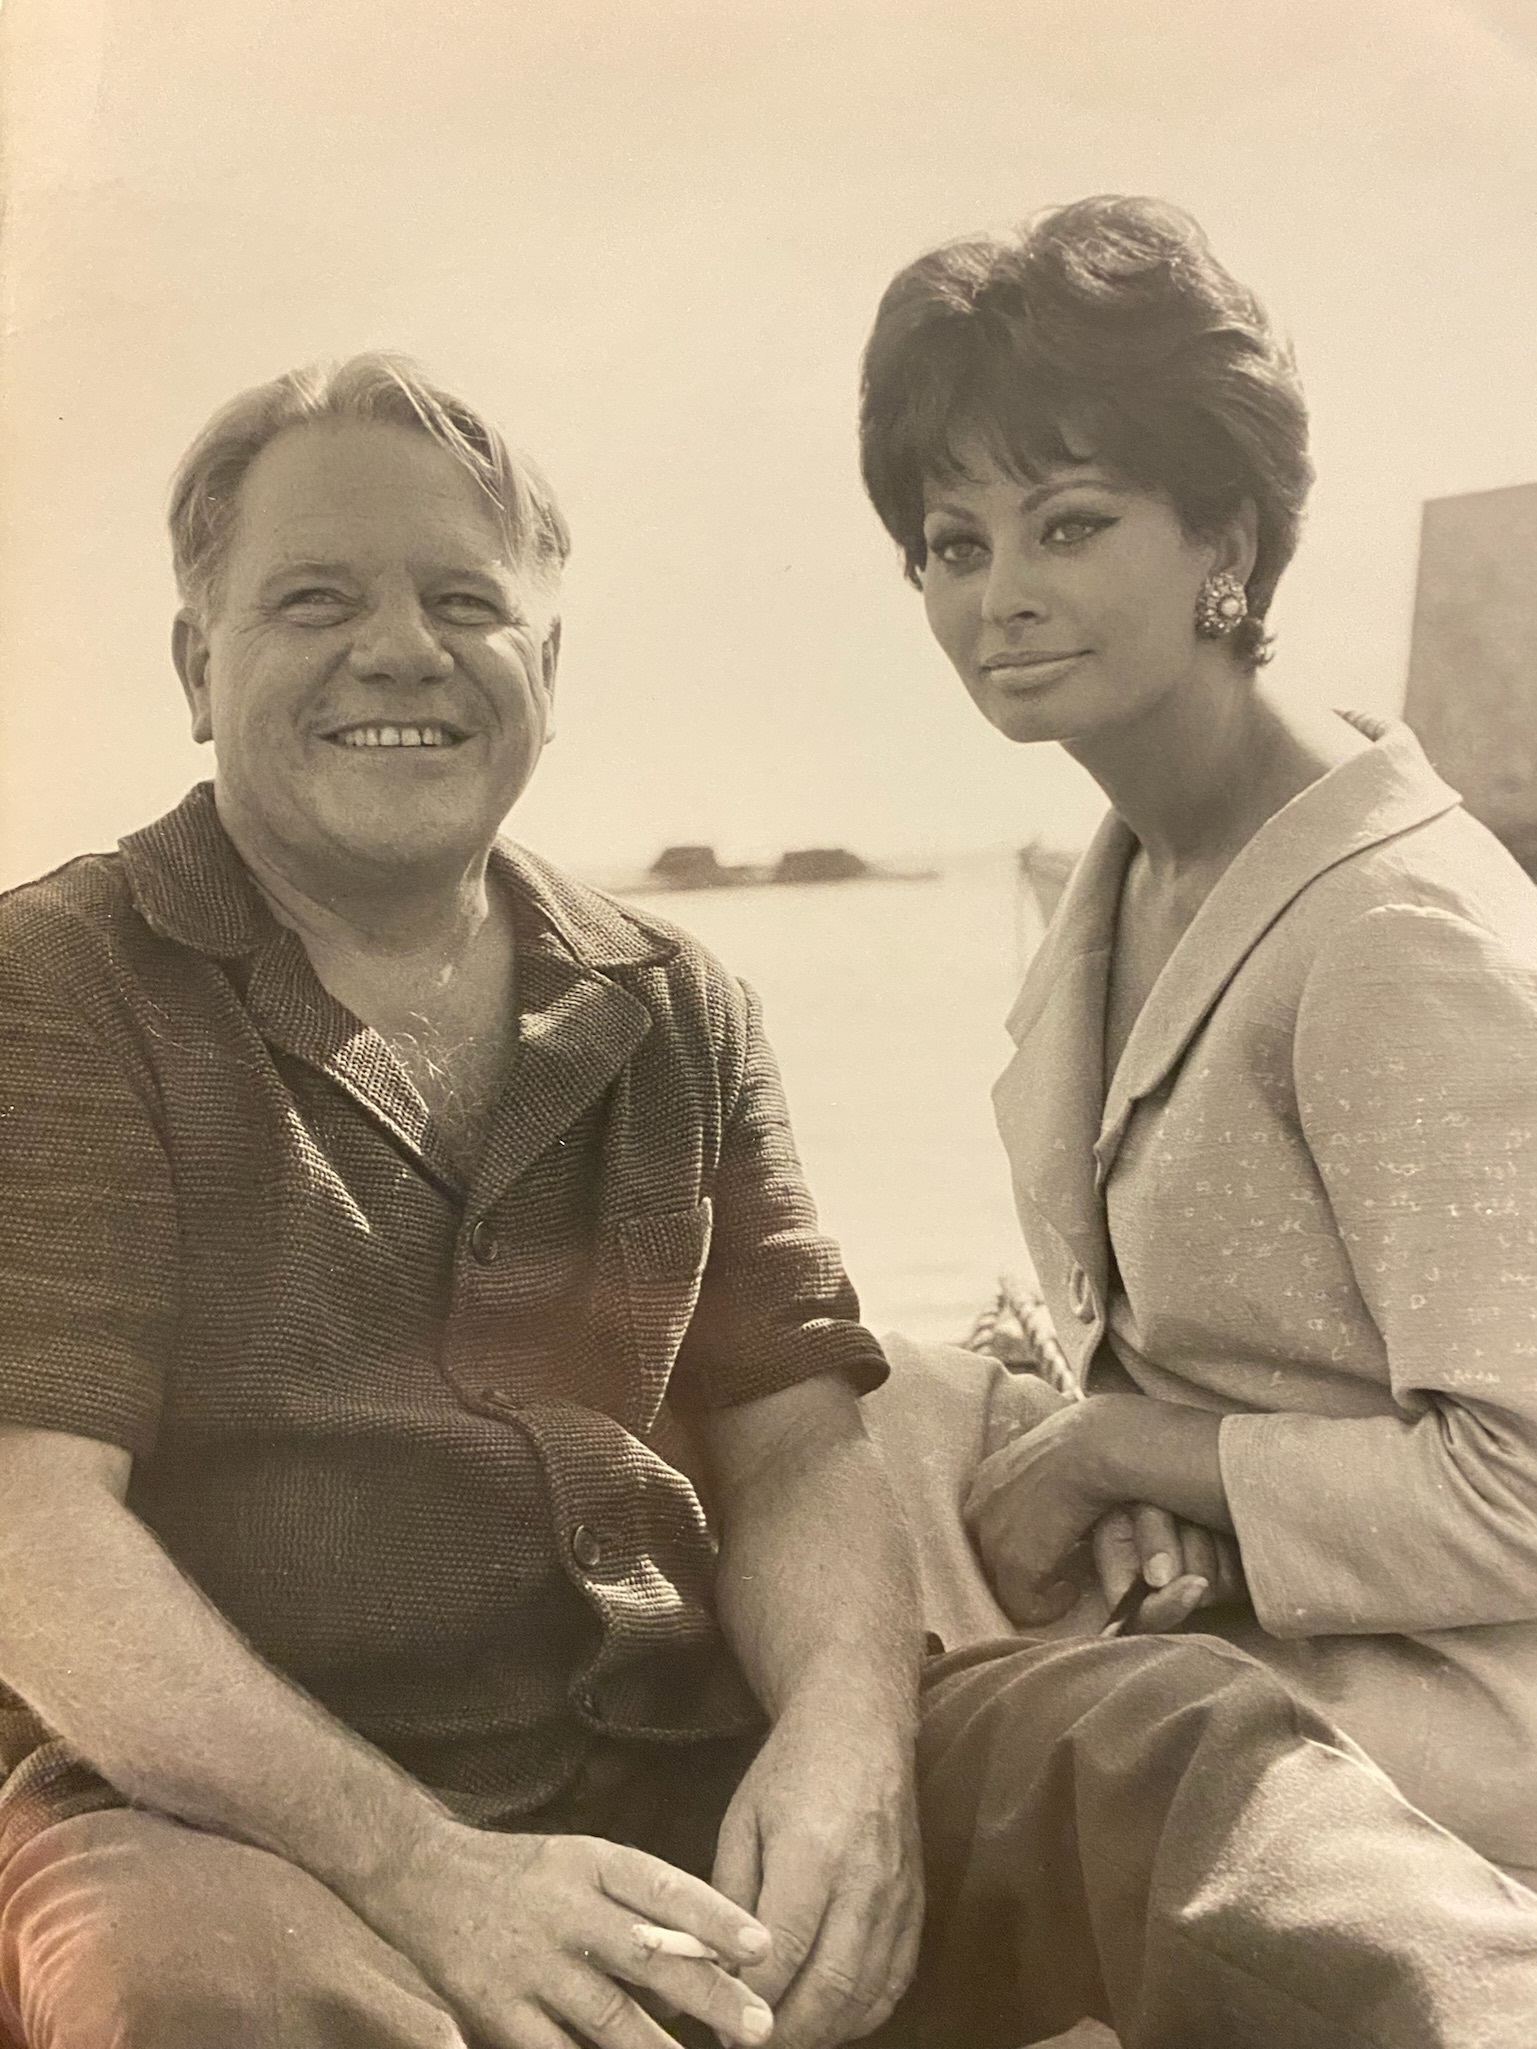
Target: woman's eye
{"points": [[960, 551], [1073, 527]]}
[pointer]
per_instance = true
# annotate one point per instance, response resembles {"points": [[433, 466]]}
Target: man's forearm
{"points": [[124, 1658], [816, 1583]]}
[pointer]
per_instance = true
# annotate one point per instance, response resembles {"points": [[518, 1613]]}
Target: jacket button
{"points": [[586, 1548], [483, 1242], [1081, 1296]]}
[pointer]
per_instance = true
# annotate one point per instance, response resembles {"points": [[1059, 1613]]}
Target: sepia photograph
{"points": [[768, 1024]]}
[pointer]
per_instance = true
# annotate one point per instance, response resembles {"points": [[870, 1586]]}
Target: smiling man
{"points": [[401, 1245]]}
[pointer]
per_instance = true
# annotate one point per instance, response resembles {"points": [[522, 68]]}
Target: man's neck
{"points": [[401, 914]]}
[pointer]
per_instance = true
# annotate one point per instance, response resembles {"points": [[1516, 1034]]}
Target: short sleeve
{"points": [[1415, 1067], [775, 1306], [88, 1234]]}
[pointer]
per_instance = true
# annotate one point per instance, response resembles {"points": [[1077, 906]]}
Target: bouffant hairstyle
{"points": [[1104, 330], [205, 492]]}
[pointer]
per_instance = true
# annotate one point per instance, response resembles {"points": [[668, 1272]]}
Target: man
{"points": [[401, 1244]]}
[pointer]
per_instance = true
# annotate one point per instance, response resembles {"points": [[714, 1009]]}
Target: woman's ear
{"points": [[1238, 543], [189, 651]]}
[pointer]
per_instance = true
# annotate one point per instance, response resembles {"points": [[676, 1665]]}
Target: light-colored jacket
{"points": [[1309, 1201]]}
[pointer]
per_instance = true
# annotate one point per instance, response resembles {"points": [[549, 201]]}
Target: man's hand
{"points": [[821, 1842], [1029, 1509], [1034, 1502], [532, 1939]]}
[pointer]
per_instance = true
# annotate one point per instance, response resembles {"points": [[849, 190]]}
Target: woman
{"points": [[1273, 1113]]}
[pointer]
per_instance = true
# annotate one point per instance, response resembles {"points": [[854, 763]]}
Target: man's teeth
{"points": [[396, 736]]}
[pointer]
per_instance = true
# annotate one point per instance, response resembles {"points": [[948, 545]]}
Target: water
{"points": [[885, 1004]]}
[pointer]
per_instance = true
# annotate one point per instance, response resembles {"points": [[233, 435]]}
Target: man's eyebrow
{"points": [[436, 572], [302, 565]]}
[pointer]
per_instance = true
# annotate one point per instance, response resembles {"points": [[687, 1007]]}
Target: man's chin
{"points": [[407, 839]]}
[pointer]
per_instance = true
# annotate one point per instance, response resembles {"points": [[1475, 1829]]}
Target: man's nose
{"points": [[1015, 588], [398, 642]]}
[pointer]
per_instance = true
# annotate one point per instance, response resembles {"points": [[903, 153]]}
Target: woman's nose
{"points": [[398, 643], [1013, 590]]}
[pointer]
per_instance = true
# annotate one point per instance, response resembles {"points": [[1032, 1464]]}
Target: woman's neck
{"points": [[1198, 774]]}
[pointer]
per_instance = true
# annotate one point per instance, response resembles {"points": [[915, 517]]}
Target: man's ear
{"points": [[189, 651], [549, 661]]}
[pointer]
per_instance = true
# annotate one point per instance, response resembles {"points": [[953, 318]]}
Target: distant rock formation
{"points": [[697, 867], [691, 868], [819, 864]]}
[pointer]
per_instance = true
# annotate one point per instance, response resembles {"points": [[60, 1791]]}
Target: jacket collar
{"points": [[1386, 790], [577, 1026]]}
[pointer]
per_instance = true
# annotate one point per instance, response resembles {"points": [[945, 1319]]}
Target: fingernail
{"points": [[757, 2023], [1159, 1569], [753, 1942]]}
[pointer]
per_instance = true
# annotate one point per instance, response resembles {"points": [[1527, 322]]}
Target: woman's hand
{"points": [[1187, 1566]]}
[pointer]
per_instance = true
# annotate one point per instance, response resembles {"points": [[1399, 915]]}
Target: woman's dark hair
{"points": [[1104, 330]]}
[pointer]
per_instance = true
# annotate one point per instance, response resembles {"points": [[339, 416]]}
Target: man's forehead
{"points": [[334, 494], [368, 472]]}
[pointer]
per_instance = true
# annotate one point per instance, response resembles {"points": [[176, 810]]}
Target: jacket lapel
{"points": [[578, 1022], [1050, 1098], [577, 1029], [297, 1015], [1386, 790]]}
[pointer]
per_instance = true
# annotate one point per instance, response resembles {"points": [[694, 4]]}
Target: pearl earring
{"points": [[1221, 605]]}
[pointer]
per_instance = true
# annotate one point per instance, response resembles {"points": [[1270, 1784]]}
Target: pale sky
{"points": [[649, 236]]}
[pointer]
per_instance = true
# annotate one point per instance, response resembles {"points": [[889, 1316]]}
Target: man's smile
{"points": [[423, 734]]}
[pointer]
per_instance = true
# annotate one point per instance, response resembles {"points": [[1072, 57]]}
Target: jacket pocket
{"points": [[663, 1255]]}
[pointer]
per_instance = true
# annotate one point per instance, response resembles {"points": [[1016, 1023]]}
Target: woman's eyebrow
{"points": [[1037, 496], [1087, 479]]}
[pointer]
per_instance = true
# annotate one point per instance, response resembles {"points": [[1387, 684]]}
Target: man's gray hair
{"points": [[206, 490]]}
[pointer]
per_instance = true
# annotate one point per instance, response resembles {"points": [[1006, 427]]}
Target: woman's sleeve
{"points": [[1416, 1078]]}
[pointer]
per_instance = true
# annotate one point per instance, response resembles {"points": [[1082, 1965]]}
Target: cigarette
{"points": [[672, 1942], [1127, 1608]]}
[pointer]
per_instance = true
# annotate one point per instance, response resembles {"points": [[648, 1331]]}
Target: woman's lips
{"points": [[1028, 672]]}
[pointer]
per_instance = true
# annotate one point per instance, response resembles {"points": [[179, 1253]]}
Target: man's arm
{"points": [[120, 1654], [817, 1597]]}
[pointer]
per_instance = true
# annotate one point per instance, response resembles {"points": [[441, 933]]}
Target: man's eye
{"points": [[316, 602], [467, 608]]}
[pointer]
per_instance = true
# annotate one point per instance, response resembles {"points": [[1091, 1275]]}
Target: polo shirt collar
{"points": [[578, 1023], [190, 885]]}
